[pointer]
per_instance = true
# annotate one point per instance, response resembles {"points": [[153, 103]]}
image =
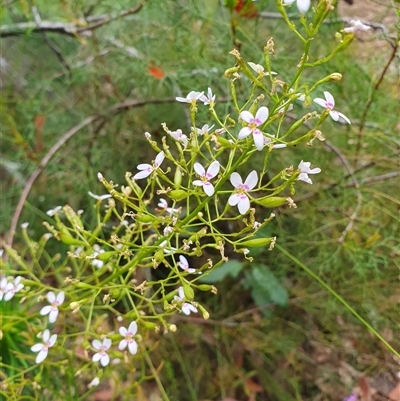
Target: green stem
{"points": [[339, 298]]}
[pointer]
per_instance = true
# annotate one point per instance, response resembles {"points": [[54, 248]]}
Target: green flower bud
{"points": [[256, 242], [178, 194]]}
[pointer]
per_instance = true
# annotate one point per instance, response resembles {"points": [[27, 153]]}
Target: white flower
{"points": [[95, 382], [253, 122], [97, 251], [184, 265], [128, 340], [192, 97], [5, 286], [167, 250], [329, 103], [167, 230], [259, 69], [203, 130], [179, 136], [55, 301], [209, 99], [304, 168], [43, 348], [205, 177], [299, 96], [102, 355], [147, 169], [186, 307], [54, 211], [268, 141], [15, 287], [163, 204], [302, 5], [356, 26], [100, 176], [99, 197], [24, 226], [239, 197]]}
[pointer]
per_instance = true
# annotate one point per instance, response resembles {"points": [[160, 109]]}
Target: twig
{"points": [[371, 99], [52, 46], [376, 178], [345, 20], [71, 29], [117, 108]]}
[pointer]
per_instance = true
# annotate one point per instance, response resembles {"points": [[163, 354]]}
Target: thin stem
{"points": [[339, 298]]}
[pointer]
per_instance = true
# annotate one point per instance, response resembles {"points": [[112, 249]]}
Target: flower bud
{"points": [[172, 328], [204, 312], [335, 77], [178, 194], [188, 291], [255, 243], [178, 177]]}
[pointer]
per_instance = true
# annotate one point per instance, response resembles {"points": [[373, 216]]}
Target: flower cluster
{"points": [[128, 341], [9, 286]]}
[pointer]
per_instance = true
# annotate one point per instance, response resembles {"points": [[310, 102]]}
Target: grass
{"points": [[293, 353]]}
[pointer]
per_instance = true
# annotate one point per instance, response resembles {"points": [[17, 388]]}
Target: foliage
{"points": [[108, 285]]}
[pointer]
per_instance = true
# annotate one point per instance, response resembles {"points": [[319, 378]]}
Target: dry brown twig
{"points": [[71, 28]]}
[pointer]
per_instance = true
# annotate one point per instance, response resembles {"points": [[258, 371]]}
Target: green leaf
{"points": [[231, 268], [265, 287]]}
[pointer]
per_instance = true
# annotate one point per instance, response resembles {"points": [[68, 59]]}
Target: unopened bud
{"points": [[335, 77]]}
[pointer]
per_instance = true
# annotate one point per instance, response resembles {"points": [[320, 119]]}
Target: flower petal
{"points": [[123, 331], [144, 166], [122, 344], [159, 158], [199, 169], [262, 115], [41, 356], [304, 177], [258, 139], [244, 132], [182, 99], [246, 116], [96, 344], [51, 297], [236, 180], [213, 169], [208, 188], [141, 174], [303, 5], [96, 357], [198, 183], [52, 340], [244, 205], [107, 343], [104, 360], [320, 101], [45, 310], [46, 335], [53, 315], [334, 115], [132, 328], [132, 346], [341, 115], [234, 199], [329, 98], [251, 180], [36, 347], [61, 296]]}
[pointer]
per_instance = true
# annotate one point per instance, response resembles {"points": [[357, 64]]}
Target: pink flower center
{"points": [[329, 105]]}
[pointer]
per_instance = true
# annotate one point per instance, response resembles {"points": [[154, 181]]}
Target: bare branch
{"points": [[71, 29]]}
